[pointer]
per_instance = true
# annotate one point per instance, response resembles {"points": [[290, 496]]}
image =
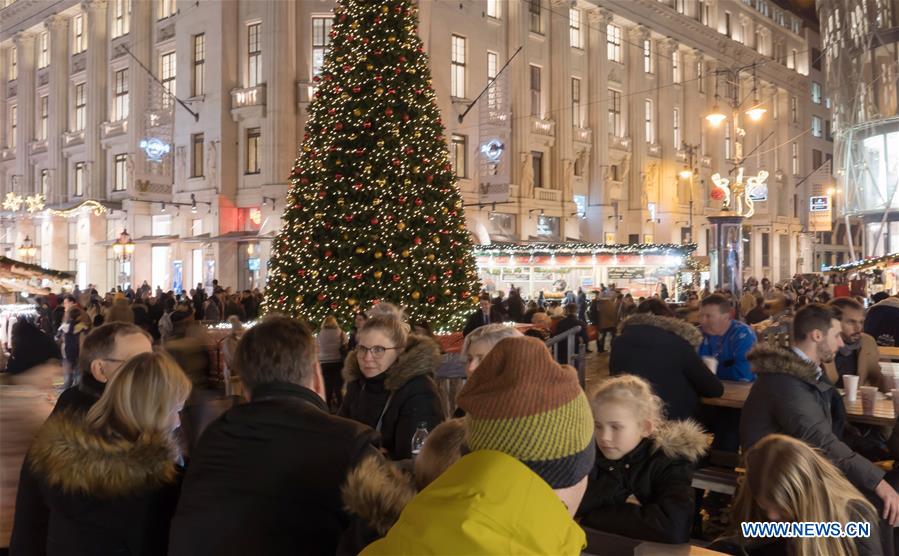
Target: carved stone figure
{"points": [[625, 167], [527, 176], [211, 162], [181, 155], [567, 175]]}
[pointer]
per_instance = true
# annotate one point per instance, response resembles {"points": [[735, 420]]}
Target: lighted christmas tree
{"points": [[373, 213]]}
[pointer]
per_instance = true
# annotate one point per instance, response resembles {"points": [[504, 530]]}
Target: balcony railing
{"points": [[620, 143], [112, 129], [654, 149], [544, 194], [543, 127], [37, 146], [71, 138], [583, 135], [250, 96], [7, 154]]}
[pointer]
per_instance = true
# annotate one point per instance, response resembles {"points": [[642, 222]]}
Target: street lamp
{"points": [[123, 247], [716, 116], [27, 250]]}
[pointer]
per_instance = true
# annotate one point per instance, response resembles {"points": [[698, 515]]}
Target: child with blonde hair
{"points": [[787, 480], [640, 485]]}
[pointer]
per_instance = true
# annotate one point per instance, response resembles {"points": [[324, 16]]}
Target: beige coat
{"points": [[868, 366]]}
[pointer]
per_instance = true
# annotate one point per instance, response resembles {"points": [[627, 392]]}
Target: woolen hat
{"points": [[519, 401]]}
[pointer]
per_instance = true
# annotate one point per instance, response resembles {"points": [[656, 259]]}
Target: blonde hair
{"points": [[445, 446], [489, 333], [802, 486], [541, 319], [387, 318], [330, 322], [634, 392], [140, 398]]}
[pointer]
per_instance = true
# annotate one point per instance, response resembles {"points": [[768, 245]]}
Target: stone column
{"points": [[637, 81], [669, 208], [562, 155], [279, 67], [140, 85], [58, 27], [518, 87], [25, 101], [96, 113], [598, 121]]}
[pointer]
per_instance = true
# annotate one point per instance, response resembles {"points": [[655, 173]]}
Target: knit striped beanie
{"points": [[519, 401]]}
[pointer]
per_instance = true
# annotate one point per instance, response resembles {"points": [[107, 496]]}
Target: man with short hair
{"points": [[265, 477], [725, 339], [102, 353], [858, 355], [487, 313], [882, 320], [792, 397], [569, 321]]}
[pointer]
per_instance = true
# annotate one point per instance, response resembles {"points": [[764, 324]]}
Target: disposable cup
{"points": [[711, 363], [850, 383], [869, 397], [889, 381], [896, 402]]}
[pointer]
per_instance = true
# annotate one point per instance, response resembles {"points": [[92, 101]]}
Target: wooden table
{"points": [[602, 543], [735, 394], [888, 353]]}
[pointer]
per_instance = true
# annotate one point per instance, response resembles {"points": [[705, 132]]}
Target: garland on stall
{"points": [[584, 248], [864, 263]]}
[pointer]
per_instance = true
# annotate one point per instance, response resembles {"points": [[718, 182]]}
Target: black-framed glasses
{"points": [[376, 351]]}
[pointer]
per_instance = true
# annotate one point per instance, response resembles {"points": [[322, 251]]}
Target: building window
{"points": [[13, 122], [727, 140], [613, 43], [817, 159], [727, 27], [648, 60], [704, 12], [167, 69], [675, 66], [492, 69], [680, 6], [744, 33], [816, 59], [44, 107], [615, 113], [253, 137], [648, 127], [457, 67], [766, 249], [535, 92], [166, 8], [80, 107], [817, 127], [45, 183], [121, 17], [79, 37], [537, 167], [196, 155], [792, 63], [828, 132], [13, 64], [321, 42], [675, 117], [121, 104], [577, 117], [43, 56], [254, 55], [794, 110], [458, 148], [199, 84], [700, 77], [120, 183], [493, 9], [78, 186], [794, 152], [816, 92], [535, 21], [574, 28]]}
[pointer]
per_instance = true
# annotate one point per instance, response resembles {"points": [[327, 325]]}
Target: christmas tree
{"points": [[373, 213]]}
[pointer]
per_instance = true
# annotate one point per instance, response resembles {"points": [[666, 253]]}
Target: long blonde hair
{"points": [[140, 398], [634, 392], [390, 320], [802, 486]]}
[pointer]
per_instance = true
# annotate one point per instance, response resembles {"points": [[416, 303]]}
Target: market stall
{"points": [[869, 276], [555, 268], [31, 279]]}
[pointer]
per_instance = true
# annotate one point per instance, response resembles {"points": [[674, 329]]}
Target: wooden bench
{"points": [[602, 544], [716, 479]]}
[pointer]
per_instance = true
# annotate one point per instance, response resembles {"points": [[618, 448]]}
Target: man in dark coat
{"points": [[567, 323], [882, 322], [487, 313], [266, 476], [792, 396]]}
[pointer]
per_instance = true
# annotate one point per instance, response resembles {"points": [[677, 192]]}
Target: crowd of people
{"points": [[341, 442]]}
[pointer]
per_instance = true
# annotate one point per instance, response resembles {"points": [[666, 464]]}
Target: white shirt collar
{"points": [[807, 359]]}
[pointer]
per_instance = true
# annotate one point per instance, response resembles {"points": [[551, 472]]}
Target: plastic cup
{"points": [[850, 383], [869, 397], [711, 363], [889, 381], [896, 402]]}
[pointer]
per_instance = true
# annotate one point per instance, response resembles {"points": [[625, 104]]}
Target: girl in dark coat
{"points": [[110, 478], [662, 349], [390, 381], [640, 486]]}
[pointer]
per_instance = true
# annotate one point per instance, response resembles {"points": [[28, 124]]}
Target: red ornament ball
{"points": [[357, 89], [431, 299], [717, 194], [374, 221], [389, 111], [366, 124], [322, 297], [396, 277], [328, 254], [332, 277]]}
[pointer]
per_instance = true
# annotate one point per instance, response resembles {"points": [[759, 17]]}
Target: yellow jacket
{"points": [[487, 503]]}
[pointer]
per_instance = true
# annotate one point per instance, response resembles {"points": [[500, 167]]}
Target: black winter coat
{"points": [[80, 398], [663, 351], [659, 474], [405, 394], [787, 398], [105, 496], [265, 478]]}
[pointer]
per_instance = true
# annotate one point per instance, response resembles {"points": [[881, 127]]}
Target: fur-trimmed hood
{"points": [[768, 360], [69, 457], [681, 440], [421, 357], [674, 325], [377, 491]]}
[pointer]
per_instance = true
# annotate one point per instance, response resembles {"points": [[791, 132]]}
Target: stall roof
{"points": [[863, 264], [584, 248], [13, 268]]}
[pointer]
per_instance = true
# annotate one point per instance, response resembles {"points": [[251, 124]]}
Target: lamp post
{"points": [[124, 251], [27, 250], [688, 173]]}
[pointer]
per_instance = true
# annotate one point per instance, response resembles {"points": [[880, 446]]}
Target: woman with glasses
{"points": [[390, 381]]}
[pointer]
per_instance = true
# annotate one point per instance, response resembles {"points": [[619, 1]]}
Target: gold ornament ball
{"points": [[406, 253], [378, 255], [360, 250], [380, 143], [341, 201], [354, 25], [391, 39], [319, 215], [351, 301], [379, 91], [436, 239], [431, 257], [416, 295], [376, 201], [401, 226], [357, 112], [385, 9], [369, 67], [447, 291], [378, 274], [346, 237]]}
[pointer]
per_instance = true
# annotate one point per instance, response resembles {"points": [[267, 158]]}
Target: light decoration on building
{"points": [[493, 149], [35, 203], [156, 149], [863, 264], [13, 201], [94, 206], [740, 196], [255, 216]]}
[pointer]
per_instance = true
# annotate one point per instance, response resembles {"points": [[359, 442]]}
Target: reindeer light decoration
{"points": [[741, 194]]}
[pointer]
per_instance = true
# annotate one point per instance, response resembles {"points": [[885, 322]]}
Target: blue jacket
{"points": [[730, 350]]}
